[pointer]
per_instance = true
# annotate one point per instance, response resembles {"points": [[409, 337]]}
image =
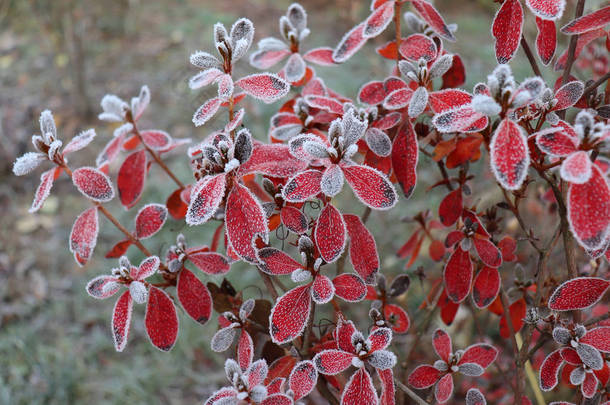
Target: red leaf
{"points": [[589, 22], [274, 261], [331, 362], [303, 186], [405, 155], [330, 233], [433, 18], [436, 250], [194, 296], [387, 387], [176, 207], [589, 210], [444, 389], [379, 339], [398, 99], [556, 143], [598, 338], [516, 311], [83, 236], [303, 379], [458, 275], [209, 262], [93, 184], [418, 46], [206, 196], [546, 9], [150, 220], [447, 99], [378, 20], [488, 252], [264, 59], [506, 29], [509, 153], [325, 103], [44, 188], [118, 250], [397, 318], [583, 41], [206, 111], [264, 86], [576, 168], [322, 289], [110, 151], [161, 320], [294, 219], [102, 287], [277, 399], [156, 139], [349, 44], [370, 186], [349, 287], [549, 371], [272, 160], [578, 293], [486, 287], [450, 208], [363, 249], [359, 390], [424, 376], [289, 315], [245, 350], [546, 40], [568, 95], [442, 344], [321, 56], [508, 246], [131, 178], [121, 320], [372, 93], [343, 334], [480, 353]]}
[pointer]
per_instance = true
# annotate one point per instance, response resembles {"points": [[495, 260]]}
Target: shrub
{"points": [[283, 348]]}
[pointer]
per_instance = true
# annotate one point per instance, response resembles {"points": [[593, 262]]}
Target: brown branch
{"points": [[398, 37], [530, 56], [518, 366], [596, 84], [580, 7], [410, 393]]}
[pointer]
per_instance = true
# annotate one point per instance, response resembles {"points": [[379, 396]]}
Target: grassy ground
{"points": [[55, 346]]}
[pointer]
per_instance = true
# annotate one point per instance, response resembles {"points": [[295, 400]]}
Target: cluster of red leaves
{"points": [[318, 140]]}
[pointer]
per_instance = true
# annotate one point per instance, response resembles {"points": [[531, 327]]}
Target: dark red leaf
{"points": [[418, 46], [546, 40], [549, 371], [458, 275], [546, 9], [118, 250], [363, 249], [424, 376], [330, 362], [209, 262], [289, 315], [294, 219], [427, 11], [175, 206], [264, 86], [194, 296], [349, 44], [578, 293], [161, 319], [506, 29], [330, 233], [442, 344], [516, 311], [206, 196], [150, 220], [450, 208], [405, 155], [121, 320], [83, 236], [303, 379], [397, 318], [303, 186], [93, 184], [274, 261], [589, 22], [131, 178], [509, 153], [486, 287], [359, 390], [349, 287]]}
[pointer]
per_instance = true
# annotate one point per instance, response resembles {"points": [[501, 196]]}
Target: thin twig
{"points": [[530, 56], [596, 84], [410, 393]]}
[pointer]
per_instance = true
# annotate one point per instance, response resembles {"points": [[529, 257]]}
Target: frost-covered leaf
{"points": [[506, 29], [589, 210], [303, 186], [459, 119], [568, 94], [206, 111], [47, 124], [378, 141], [418, 46], [225, 87], [349, 287], [474, 397], [444, 388], [44, 188], [486, 287], [331, 362], [424, 376], [577, 168], [93, 184], [161, 320], [223, 339], [398, 99], [458, 275], [363, 249], [244, 221], [377, 22], [121, 321], [370, 186], [138, 292], [549, 371], [264, 86], [331, 182], [322, 56], [324, 103], [556, 142], [83, 236], [303, 379], [80, 141], [294, 219], [206, 197], [28, 162], [131, 178], [242, 32], [359, 390], [480, 353], [150, 220], [322, 289], [243, 146], [351, 42], [194, 296], [578, 293], [102, 287], [204, 60], [590, 356], [547, 9], [382, 359], [245, 350], [432, 17], [418, 102], [509, 154], [289, 315], [546, 40], [372, 93], [273, 161], [589, 22], [204, 78], [441, 66], [330, 233], [274, 261], [265, 58], [295, 68]]}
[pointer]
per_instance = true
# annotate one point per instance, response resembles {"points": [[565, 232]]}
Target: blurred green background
{"points": [[55, 345]]}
